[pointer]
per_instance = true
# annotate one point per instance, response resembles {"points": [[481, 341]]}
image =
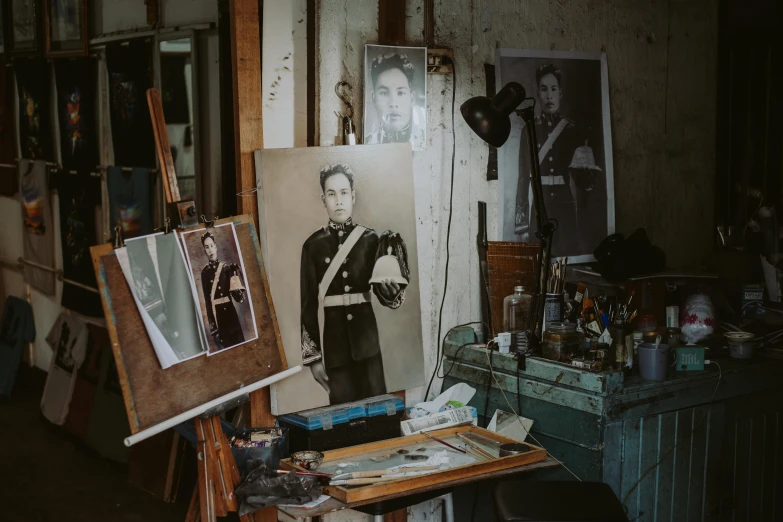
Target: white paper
{"points": [[460, 392], [508, 424]]}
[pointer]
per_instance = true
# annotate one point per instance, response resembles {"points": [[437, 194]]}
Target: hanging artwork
{"points": [[22, 18], [78, 197], [573, 131], [130, 201], [218, 273], [343, 270], [65, 28], [75, 109], [395, 95], [155, 269], [38, 233], [130, 75], [35, 131]]}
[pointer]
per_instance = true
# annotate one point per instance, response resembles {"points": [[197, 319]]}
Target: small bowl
{"points": [[309, 460], [506, 450]]}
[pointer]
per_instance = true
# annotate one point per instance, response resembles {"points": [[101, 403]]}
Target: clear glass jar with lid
{"points": [[562, 342], [516, 311]]}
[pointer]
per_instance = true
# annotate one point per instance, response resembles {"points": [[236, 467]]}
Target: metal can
{"points": [[553, 310], [672, 317]]}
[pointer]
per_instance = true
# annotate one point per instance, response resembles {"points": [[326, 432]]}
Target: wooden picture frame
{"points": [[17, 22], [66, 47]]}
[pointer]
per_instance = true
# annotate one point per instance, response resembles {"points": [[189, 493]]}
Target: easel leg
{"points": [[194, 514]]}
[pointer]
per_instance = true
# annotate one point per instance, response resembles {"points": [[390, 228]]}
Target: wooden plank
{"points": [[551, 392], [438, 479], [612, 465], [153, 395], [630, 465], [401, 515], [194, 513], [712, 470], [682, 458], [649, 453], [664, 474], [535, 368], [163, 147], [699, 449], [391, 22], [248, 118], [755, 466], [580, 427]]}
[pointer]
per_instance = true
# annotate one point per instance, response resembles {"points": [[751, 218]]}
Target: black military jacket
{"points": [[225, 320], [556, 163], [350, 332]]}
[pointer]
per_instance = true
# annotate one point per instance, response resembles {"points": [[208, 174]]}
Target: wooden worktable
{"points": [[333, 504]]}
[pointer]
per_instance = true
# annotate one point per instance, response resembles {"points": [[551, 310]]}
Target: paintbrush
{"points": [[362, 481], [436, 439], [380, 473], [303, 473], [476, 446]]}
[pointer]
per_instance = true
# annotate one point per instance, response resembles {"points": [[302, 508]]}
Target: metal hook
{"points": [[119, 242], [339, 91]]}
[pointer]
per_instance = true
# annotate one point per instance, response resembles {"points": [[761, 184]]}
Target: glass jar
{"points": [[516, 311], [562, 342]]}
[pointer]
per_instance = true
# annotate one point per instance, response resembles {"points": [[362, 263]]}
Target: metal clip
{"points": [[119, 242], [210, 223], [167, 227]]}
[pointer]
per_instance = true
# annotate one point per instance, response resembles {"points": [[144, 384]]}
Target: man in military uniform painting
{"points": [[399, 119], [558, 139], [222, 282], [340, 341]]}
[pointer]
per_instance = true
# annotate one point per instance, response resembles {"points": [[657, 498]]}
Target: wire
{"points": [[492, 371], [456, 358], [686, 435], [448, 226]]}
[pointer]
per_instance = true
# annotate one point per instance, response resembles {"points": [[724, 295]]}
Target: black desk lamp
{"points": [[490, 120]]}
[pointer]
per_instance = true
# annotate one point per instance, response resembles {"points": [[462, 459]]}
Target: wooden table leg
{"points": [[401, 515]]}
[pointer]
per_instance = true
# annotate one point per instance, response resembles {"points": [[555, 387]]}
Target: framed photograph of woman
{"points": [[22, 35], [65, 28]]}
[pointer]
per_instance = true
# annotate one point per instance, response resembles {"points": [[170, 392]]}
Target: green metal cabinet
{"points": [[718, 461]]}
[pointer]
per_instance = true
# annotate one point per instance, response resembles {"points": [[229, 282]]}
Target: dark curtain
{"points": [[130, 75], [76, 113], [35, 131]]}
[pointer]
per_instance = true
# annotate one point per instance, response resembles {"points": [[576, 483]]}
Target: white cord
{"points": [[492, 371]]}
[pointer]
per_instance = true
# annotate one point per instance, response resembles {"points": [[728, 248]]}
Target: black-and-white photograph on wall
{"points": [[395, 95], [573, 132]]}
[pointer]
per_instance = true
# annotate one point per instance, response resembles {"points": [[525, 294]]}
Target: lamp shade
{"points": [[489, 118]]}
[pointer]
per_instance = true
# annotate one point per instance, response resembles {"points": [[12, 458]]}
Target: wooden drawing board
{"points": [[460, 466], [153, 395]]}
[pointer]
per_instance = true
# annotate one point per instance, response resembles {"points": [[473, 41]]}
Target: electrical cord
{"points": [[686, 435], [492, 372], [448, 226]]}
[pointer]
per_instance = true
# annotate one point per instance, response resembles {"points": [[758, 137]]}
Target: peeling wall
{"points": [[662, 57]]}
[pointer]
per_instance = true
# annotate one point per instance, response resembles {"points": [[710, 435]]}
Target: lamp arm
{"points": [[544, 233]]}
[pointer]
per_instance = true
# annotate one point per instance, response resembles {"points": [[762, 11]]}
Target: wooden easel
{"points": [[218, 474]]}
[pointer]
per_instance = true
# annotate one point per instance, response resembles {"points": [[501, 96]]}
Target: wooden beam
{"points": [[248, 118], [391, 22]]}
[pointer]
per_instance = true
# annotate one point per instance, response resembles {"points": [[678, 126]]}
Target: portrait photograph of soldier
{"points": [[342, 271], [395, 95], [573, 139], [157, 274], [218, 274]]}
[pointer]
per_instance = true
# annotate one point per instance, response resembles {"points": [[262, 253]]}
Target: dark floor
{"points": [[45, 476]]}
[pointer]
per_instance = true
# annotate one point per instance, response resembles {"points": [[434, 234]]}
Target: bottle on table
{"points": [[516, 311]]}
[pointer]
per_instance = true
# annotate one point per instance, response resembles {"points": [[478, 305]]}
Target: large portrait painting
{"points": [[338, 233], [573, 135]]}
